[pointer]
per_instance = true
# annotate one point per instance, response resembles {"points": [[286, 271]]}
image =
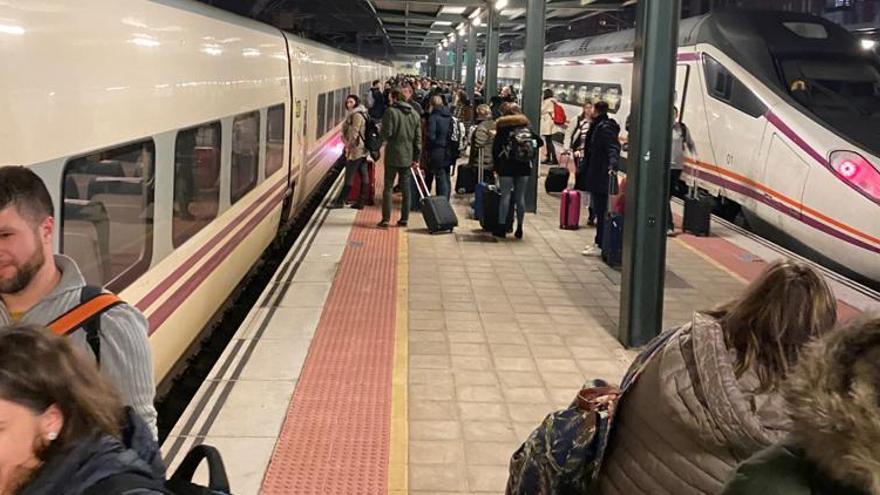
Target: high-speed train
{"points": [[175, 138], [785, 112]]}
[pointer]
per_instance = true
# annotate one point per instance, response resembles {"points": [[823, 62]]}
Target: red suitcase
{"points": [[570, 210], [355, 193]]}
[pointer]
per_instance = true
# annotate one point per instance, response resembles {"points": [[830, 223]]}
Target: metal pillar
{"points": [[644, 255], [456, 77], [533, 76], [471, 75], [490, 88]]}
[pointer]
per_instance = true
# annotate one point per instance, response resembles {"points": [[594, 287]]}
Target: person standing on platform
{"points": [[402, 133], [439, 124], [548, 128], [481, 144], [681, 143], [513, 151], [577, 144], [600, 165], [37, 287], [354, 129], [377, 103]]}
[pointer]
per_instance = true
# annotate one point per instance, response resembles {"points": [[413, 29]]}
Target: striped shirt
{"points": [[126, 358]]}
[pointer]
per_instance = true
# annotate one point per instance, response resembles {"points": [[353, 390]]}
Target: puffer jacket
{"points": [[688, 421], [353, 133], [483, 138], [834, 447], [505, 126], [100, 457]]}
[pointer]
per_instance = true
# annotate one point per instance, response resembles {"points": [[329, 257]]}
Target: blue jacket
{"points": [[438, 128]]}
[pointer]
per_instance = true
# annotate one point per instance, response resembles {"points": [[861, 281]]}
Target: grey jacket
{"points": [[126, 358], [688, 421]]}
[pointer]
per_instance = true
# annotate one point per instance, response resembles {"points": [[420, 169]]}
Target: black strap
{"points": [[217, 479], [123, 483], [92, 326]]}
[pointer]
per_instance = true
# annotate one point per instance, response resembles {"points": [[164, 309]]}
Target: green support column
{"points": [[471, 75], [644, 254], [456, 76], [532, 84], [490, 88]]}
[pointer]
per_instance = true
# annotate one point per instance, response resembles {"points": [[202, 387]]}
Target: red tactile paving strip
{"points": [[745, 264], [336, 435]]}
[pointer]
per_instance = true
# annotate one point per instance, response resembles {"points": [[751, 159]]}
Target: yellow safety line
{"points": [[714, 262], [398, 462]]}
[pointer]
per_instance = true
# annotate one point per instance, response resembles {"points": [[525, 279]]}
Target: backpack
{"points": [[520, 146], [455, 138], [93, 302], [370, 137], [559, 117]]}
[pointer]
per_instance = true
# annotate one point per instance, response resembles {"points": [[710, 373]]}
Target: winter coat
{"points": [[578, 127], [505, 126], [98, 458], [483, 138], [548, 108], [688, 421], [601, 156], [378, 104], [834, 447], [438, 138], [402, 135], [354, 132]]}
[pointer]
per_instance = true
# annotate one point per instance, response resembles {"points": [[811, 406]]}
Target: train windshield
{"points": [[844, 93]]}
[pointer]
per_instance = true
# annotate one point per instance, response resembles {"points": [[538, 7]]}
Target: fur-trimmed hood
{"points": [[834, 398], [511, 121]]}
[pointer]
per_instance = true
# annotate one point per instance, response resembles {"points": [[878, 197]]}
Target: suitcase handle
{"points": [[420, 181]]}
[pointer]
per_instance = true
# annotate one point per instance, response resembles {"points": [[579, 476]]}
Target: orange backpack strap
{"points": [[93, 303]]}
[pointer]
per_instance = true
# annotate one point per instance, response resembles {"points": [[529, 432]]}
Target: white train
{"points": [[175, 139], [785, 112]]}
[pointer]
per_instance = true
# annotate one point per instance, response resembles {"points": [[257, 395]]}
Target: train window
{"points": [[331, 112], [196, 180], [274, 139], [107, 217], [322, 103], [723, 86], [245, 154]]}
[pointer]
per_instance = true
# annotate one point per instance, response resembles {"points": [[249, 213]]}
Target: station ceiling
{"points": [[401, 29]]}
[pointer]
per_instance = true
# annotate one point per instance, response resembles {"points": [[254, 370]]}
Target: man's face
{"points": [[21, 249]]}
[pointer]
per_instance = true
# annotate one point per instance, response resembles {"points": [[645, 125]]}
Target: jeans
{"points": [[403, 177], [444, 184], [551, 149], [600, 207], [358, 166], [674, 178], [515, 186]]}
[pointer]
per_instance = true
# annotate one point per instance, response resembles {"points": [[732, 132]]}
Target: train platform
{"points": [[394, 361]]}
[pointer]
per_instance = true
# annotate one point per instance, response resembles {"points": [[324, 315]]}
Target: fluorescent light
{"points": [[476, 22], [868, 44], [462, 29], [500, 4], [453, 10], [442, 23], [475, 13], [11, 29], [250, 52]]}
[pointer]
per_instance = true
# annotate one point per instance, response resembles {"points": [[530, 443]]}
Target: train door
{"points": [[734, 118], [782, 184], [298, 105]]}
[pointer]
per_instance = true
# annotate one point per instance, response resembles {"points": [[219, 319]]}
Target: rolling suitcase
{"points": [[436, 210], [697, 215], [465, 179], [557, 179], [491, 207], [479, 189], [354, 193], [570, 210], [612, 240]]}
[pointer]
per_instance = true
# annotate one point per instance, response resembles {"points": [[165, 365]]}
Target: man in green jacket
{"points": [[402, 135], [834, 403]]}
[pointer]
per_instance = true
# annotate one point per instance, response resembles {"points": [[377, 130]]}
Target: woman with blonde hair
{"points": [[60, 424], [709, 398]]}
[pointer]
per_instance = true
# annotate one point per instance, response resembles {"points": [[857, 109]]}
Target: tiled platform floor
{"points": [[502, 333]]}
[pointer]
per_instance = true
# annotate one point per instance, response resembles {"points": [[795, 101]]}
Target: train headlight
{"points": [[858, 172]]}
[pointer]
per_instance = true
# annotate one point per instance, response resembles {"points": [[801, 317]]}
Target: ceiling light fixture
{"points": [[500, 4]]}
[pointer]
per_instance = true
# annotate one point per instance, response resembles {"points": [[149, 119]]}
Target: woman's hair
{"points": [[484, 111], [39, 369], [783, 309], [437, 101], [510, 109], [357, 100], [548, 93]]}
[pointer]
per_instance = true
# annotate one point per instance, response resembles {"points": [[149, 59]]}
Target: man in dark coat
{"points": [[377, 102], [601, 158]]}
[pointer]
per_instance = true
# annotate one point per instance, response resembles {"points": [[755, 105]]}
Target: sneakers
{"points": [[401, 223], [593, 250]]}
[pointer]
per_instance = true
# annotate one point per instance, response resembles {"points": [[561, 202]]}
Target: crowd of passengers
{"points": [[765, 394]]}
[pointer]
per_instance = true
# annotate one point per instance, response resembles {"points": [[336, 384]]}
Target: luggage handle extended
{"points": [[420, 182]]}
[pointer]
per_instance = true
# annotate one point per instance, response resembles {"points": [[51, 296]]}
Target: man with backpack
{"points": [[358, 131], [681, 143], [37, 287], [600, 164]]}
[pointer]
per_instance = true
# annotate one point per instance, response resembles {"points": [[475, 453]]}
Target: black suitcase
{"points": [[436, 210], [612, 240], [697, 215], [557, 180], [491, 207], [465, 179]]}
